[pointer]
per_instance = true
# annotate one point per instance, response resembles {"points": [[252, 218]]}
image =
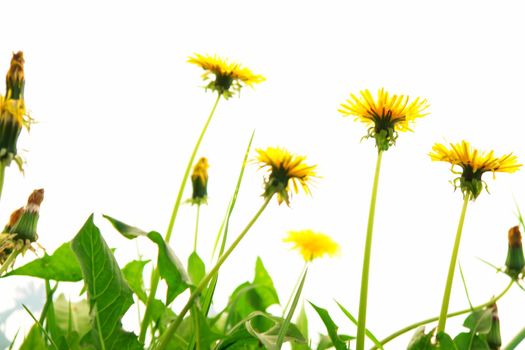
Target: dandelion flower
{"points": [[386, 115], [199, 180], [312, 244], [228, 77], [284, 168], [473, 164]]}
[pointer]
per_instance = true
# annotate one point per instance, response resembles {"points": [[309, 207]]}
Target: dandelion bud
{"points": [[13, 219], [199, 180], [494, 336], [14, 81], [515, 260], [25, 227]]}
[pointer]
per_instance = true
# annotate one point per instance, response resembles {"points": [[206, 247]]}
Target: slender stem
{"points": [[452, 314], [196, 228], [197, 291], [294, 291], [188, 169], [516, 340], [361, 318], [452, 268], [2, 175], [155, 276], [9, 261], [297, 295]]}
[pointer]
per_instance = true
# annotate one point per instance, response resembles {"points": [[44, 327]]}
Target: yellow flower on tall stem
{"points": [[311, 245], [473, 164], [284, 167], [386, 115]]}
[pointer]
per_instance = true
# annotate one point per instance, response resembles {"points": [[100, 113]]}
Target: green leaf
{"points": [[302, 325], [479, 321], [133, 273], [170, 268], [369, 334], [444, 342], [324, 342], [331, 327], [60, 266], [109, 294], [72, 317], [249, 297], [420, 340], [470, 341], [34, 340], [268, 337], [196, 268], [130, 232]]}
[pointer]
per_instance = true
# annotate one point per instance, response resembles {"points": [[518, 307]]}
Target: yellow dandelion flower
{"points": [[473, 164], [386, 115], [312, 244], [199, 179], [284, 168], [228, 77]]}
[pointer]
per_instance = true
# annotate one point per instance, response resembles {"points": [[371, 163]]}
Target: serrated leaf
{"points": [[479, 321], [109, 294], [133, 273], [62, 265], [170, 268], [196, 268], [130, 232], [34, 340], [331, 327]]}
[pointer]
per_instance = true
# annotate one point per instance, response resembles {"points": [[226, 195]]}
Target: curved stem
{"points": [[197, 291], [361, 319], [452, 314], [452, 268], [516, 340]]}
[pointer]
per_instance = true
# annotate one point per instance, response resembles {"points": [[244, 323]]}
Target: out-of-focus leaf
{"points": [[302, 325], [72, 317], [133, 273], [331, 327], [170, 268], [60, 266], [109, 294], [130, 232], [34, 340], [196, 268]]}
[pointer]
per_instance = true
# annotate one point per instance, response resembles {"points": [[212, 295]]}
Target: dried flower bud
{"points": [[14, 80], [515, 259], [25, 227], [199, 180]]}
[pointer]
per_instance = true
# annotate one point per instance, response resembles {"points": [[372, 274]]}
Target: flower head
{"points": [[284, 168], [15, 79], [199, 180], [386, 115], [228, 77], [473, 164], [312, 244]]}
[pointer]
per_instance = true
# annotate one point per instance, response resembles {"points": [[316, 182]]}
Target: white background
{"points": [[119, 109]]}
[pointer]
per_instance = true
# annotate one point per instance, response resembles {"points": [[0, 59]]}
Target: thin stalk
{"points": [[297, 295], [452, 314], [452, 268], [516, 340], [9, 261], [176, 323], [196, 228], [294, 291], [361, 318], [155, 276], [2, 175]]}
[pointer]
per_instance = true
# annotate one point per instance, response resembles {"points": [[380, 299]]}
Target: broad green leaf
{"points": [[130, 232], [72, 317], [196, 268], [34, 340], [60, 266], [133, 273], [170, 268], [302, 325], [109, 294], [470, 341], [255, 296], [444, 342], [331, 327], [479, 321]]}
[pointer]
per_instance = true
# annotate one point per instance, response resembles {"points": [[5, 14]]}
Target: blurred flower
{"points": [[228, 77], [385, 115], [311, 244], [473, 164], [283, 168], [199, 180], [515, 259]]}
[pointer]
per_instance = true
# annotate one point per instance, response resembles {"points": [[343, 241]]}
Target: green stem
{"points": [[2, 175], [297, 295], [196, 228], [294, 291], [9, 261], [452, 268], [361, 318], [155, 277], [197, 291], [516, 340], [434, 319]]}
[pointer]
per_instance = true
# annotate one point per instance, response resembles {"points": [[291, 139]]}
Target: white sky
{"points": [[119, 110]]}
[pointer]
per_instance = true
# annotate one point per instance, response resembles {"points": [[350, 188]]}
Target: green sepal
{"points": [[515, 261], [25, 228]]}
